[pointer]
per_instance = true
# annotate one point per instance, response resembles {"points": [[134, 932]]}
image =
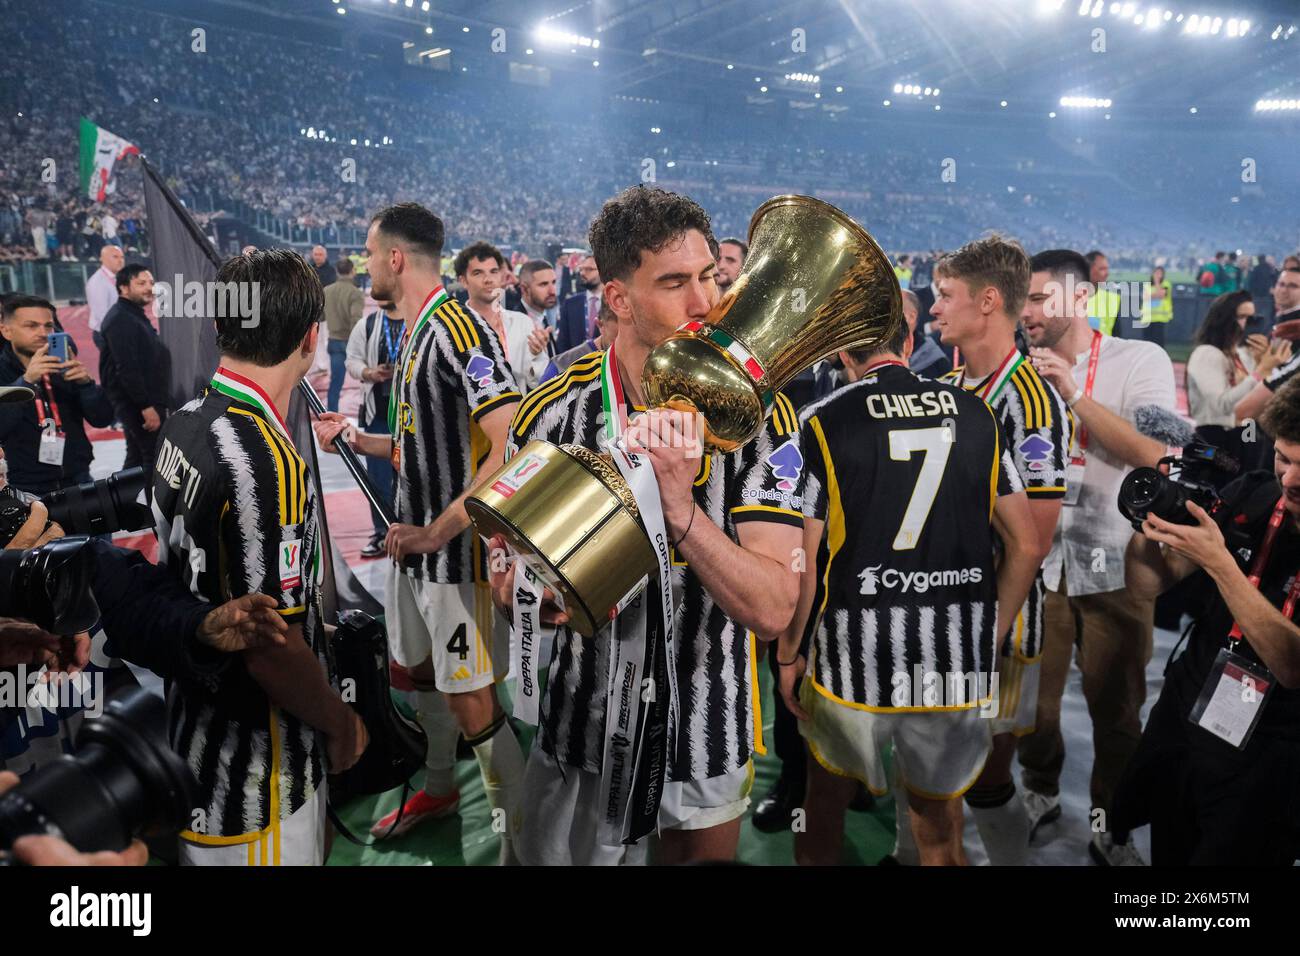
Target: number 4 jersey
{"points": [[905, 472]]}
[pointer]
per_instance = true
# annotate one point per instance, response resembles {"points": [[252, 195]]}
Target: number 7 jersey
{"points": [[905, 472]]}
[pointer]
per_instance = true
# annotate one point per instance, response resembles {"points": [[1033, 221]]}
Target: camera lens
{"points": [[1146, 491], [106, 506], [50, 586], [123, 781]]}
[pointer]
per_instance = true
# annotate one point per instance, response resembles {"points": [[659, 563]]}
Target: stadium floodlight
{"points": [[1004, 104], [1128, 10], [409, 4], [884, 102], [839, 89], [1169, 15], [342, 10], [1084, 7], [1051, 115], [464, 29], [898, 87], [762, 89], [428, 29], [731, 66], [1192, 110], [671, 164], [1216, 25], [1153, 18], [559, 38], [1097, 8]]}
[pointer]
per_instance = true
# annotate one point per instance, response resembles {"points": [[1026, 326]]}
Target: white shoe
{"points": [[1106, 852], [1040, 808]]}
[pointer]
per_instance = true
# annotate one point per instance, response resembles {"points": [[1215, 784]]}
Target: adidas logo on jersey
{"points": [[915, 582]]}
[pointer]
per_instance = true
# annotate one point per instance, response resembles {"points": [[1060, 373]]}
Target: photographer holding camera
{"points": [[1217, 771], [46, 438]]}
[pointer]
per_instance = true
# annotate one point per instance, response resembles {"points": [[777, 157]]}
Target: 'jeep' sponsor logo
{"points": [[916, 582]]}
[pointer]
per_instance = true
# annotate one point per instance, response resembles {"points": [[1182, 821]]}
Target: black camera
{"points": [[95, 507], [1195, 475], [124, 781], [50, 586]]}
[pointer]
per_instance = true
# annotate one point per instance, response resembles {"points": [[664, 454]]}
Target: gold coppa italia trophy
{"points": [[814, 283]]}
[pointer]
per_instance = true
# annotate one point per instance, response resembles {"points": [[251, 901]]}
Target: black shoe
{"points": [[375, 549], [773, 813], [863, 801]]}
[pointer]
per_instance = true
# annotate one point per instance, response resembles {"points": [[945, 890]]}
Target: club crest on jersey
{"points": [[480, 368], [1035, 450], [786, 463], [290, 563], [406, 418]]}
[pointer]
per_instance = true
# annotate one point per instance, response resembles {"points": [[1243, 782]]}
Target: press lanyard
{"points": [[42, 419], [431, 304], [1093, 355], [393, 339], [1261, 561], [994, 384]]}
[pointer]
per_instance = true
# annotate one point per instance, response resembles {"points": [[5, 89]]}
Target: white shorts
{"points": [[939, 753], [558, 817], [1017, 695], [298, 840], [454, 624]]}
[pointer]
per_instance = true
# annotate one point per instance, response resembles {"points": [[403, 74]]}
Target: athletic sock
{"points": [[1003, 824], [439, 725], [905, 851], [501, 762]]}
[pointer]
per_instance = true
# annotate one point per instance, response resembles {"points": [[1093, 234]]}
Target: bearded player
{"points": [[451, 405], [734, 522], [983, 288]]}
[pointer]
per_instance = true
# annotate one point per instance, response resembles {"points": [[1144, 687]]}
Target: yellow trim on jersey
{"points": [[1044, 489], [290, 471], [834, 511], [457, 339], [542, 396], [781, 511], [286, 611], [997, 462], [202, 839], [871, 709], [755, 695], [461, 326], [784, 417], [488, 404], [1033, 393]]}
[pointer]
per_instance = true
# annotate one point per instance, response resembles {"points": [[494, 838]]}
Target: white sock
{"points": [[501, 761], [439, 725], [905, 851], [1004, 829]]}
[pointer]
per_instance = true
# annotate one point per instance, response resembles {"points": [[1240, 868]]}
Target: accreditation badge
{"points": [[1233, 698], [52, 445], [1074, 480]]}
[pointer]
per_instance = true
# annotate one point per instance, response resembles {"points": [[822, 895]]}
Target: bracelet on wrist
{"points": [[688, 526], [1074, 399]]}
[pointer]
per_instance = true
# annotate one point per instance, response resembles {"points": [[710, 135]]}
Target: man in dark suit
{"points": [[578, 312], [134, 366]]}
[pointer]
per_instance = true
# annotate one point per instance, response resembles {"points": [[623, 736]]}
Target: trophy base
{"points": [[570, 513]]}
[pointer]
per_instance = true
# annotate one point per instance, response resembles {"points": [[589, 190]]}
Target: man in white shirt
{"points": [[479, 268], [101, 290], [1104, 380]]}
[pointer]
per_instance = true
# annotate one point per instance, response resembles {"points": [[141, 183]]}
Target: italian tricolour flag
{"points": [[100, 149]]}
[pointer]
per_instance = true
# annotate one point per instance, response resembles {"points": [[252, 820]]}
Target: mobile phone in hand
{"points": [[58, 345]]}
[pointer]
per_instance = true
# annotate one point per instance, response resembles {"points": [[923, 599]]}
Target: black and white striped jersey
{"points": [[452, 373], [1039, 427], [905, 472], [716, 664], [235, 514]]}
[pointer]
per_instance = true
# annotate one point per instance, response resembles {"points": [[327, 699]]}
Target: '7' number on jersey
{"points": [[935, 444]]}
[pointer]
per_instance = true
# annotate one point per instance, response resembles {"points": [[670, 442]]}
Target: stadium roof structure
{"points": [[1167, 61]]}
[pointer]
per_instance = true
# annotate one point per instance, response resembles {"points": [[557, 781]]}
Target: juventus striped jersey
{"points": [[452, 372], [905, 473], [235, 514], [1038, 426], [716, 676]]}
